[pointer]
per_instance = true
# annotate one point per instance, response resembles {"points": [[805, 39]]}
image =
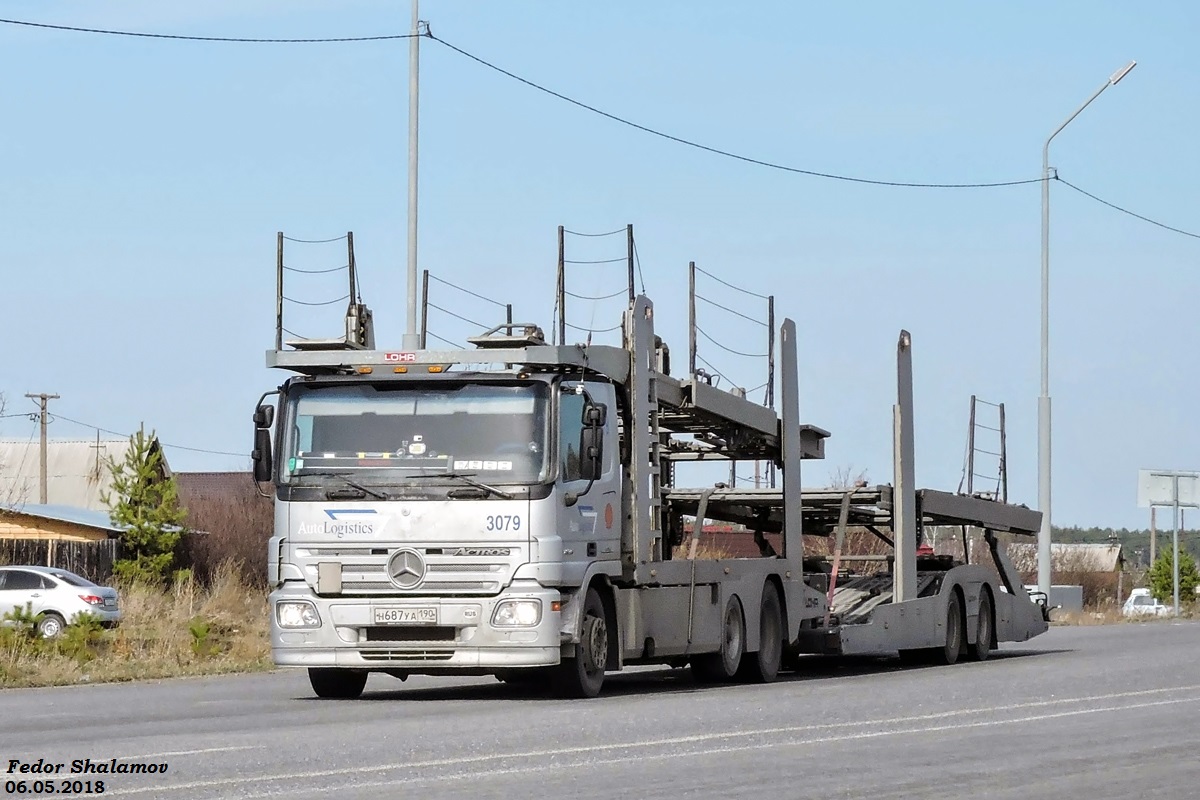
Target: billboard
{"points": [[1156, 487]]}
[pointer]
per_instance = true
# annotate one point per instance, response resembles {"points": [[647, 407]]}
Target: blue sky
{"points": [[145, 181]]}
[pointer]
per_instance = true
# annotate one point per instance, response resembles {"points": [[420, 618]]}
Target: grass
{"points": [[187, 630]]}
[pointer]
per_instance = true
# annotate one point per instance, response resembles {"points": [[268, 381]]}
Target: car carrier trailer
{"points": [[512, 510]]}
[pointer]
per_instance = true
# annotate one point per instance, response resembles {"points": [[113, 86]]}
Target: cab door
{"points": [[590, 505]]}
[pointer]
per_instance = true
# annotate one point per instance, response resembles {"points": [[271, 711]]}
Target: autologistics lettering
{"points": [[338, 528]]}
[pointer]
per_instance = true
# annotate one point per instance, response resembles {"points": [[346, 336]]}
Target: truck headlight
{"points": [[297, 614], [517, 614]]}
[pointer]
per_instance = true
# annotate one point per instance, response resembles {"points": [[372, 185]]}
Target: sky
{"points": [[145, 181]]}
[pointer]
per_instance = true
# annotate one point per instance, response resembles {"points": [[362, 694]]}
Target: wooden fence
{"points": [[92, 560]]}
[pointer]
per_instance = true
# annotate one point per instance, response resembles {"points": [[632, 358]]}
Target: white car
{"points": [[1142, 604], [56, 597]]}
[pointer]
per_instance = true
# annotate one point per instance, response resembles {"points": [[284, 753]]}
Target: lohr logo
{"points": [[399, 358], [345, 522]]}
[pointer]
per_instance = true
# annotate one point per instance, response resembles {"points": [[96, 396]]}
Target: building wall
{"points": [[19, 526]]}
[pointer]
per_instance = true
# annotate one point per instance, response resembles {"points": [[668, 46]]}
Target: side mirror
{"points": [[264, 417], [261, 455], [591, 453], [595, 414]]}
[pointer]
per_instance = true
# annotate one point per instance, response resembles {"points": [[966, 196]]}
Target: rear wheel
{"points": [[339, 684], [763, 666], [583, 675], [723, 665], [984, 629], [51, 625], [948, 653]]}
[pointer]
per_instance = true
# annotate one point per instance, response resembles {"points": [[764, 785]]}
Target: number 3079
{"points": [[502, 522]]}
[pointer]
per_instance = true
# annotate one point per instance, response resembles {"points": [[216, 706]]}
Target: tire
{"points": [[583, 674], [722, 666], [955, 630], [763, 666], [985, 629], [51, 625], [337, 684]]}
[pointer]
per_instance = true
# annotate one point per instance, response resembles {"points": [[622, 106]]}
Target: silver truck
{"points": [[512, 510]]}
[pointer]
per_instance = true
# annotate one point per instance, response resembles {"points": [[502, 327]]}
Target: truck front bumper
{"points": [[462, 638]]}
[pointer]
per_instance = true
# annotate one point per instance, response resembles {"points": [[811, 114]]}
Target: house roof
{"points": [[76, 471], [76, 516]]}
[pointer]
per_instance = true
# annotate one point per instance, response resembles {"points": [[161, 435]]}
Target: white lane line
{"points": [[558, 766], [711, 737], [192, 752]]}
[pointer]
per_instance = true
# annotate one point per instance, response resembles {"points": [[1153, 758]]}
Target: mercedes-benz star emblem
{"points": [[406, 568]]}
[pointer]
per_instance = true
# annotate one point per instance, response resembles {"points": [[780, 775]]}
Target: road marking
{"points": [[708, 737], [192, 752]]}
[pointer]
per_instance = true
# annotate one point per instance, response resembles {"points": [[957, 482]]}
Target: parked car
{"points": [[56, 597], [1142, 604]]}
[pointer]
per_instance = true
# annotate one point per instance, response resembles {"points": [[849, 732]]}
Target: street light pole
{"points": [[412, 340], [1044, 397]]}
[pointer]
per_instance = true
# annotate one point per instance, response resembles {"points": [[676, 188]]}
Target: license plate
{"points": [[406, 616]]}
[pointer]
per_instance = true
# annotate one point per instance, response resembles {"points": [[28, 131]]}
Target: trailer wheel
{"points": [[722, 666], [583, 674], [984, 629], [763, 666], [948, 653], [338, 684]]}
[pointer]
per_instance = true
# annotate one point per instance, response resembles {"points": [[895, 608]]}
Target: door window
{"points": [[570, 427]]}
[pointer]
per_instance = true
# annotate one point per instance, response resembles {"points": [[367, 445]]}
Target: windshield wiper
{"points": [[466, 478], [342, 494]]}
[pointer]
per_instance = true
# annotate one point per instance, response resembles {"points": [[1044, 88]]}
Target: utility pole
{"points": [[412, 339], [1153, 537], [43, 399]]}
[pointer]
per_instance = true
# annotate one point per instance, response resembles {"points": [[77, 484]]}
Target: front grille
{"points": [[407, 655], [361, 577], [410, 633]]}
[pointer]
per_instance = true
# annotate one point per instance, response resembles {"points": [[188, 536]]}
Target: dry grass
{"points": [[188, 630]]}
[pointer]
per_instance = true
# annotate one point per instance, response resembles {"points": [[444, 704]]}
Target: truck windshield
{"points": [[390, 431]]}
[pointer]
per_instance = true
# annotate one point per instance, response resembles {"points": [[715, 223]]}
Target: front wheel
{"points": [[583, 674], [948, 653], [338, 684]]}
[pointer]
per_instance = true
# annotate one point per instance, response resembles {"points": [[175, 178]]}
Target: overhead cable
{"points": [[1116, 207], [139, 34], [731, 311], [55, 416], [467, 291], [731, 286], [326, 303], [317, 271], [727, 153]]}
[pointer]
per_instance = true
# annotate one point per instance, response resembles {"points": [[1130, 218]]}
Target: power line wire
{"points": [[637, 260], [458, 316], [618, 293], [727, 153], [455, 345], [596, 261], [54, 417], [181, 37], [1116, 207]]}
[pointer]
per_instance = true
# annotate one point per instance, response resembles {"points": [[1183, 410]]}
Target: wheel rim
{"points": [[595, 644], [51, 628]]}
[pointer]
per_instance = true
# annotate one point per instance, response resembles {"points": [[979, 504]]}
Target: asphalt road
{"points": [[1077, 713]]}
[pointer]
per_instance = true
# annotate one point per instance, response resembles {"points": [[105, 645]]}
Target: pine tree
{"points": [[145, 505], [1161, 577]]}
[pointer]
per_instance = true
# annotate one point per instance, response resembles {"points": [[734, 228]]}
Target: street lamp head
{"points": [[1121, 73]]}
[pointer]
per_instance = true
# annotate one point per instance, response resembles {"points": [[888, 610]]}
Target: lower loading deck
{"points": [[953, 601]]}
